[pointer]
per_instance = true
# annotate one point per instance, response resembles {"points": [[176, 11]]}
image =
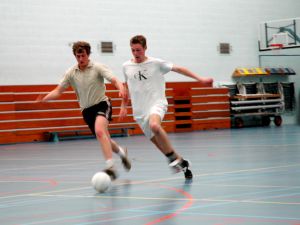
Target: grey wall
{"points": [[35, 34]]}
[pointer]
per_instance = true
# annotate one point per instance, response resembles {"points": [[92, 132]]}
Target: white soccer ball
{"points": [[101, 182]]}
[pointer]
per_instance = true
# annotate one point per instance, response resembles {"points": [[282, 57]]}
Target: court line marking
{"points": [[189, 202], [166, 199], [46, 166], [225, 201], [158, 180]]}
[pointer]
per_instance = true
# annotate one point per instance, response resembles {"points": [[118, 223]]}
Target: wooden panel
{"points": [[216, 123], [7, 107], [136, 130], [169, 117], [32, 96], [170, 101], [212, 125], [31, 120], [208, 114], [7, 137], [127, 119], [6, 97], [50, 123], [70, 95], [182, 97], [209, 91], [169, 126], [187, 85], [116, 110], [38, 114], [8, 124], [109, 87], [212, 98], [46, 105], [40, 88], [113, 94], [169, 93], [183, 122], [117, 103], [211, 106], [43, 130], [27, 88], [183, 114], [7, 116], [171, 109], [38, 137]]}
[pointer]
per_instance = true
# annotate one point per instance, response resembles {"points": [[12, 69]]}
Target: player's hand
{"points": [[123, 113], [40, 98], [123, 92], [207, 81]]}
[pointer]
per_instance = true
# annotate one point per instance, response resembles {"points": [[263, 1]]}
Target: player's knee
{"points": [[155, 127], [100, 133]]}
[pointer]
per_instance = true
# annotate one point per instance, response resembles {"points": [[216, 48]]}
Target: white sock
{"points": [[121, 152], [109, 163]]}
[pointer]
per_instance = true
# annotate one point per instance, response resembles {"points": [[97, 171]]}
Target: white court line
{"points": [[246, 185], [155, 181], [170, 199]]}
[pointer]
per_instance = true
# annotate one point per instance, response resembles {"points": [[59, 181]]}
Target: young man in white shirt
{"points": [[146, 84], [87, 80]]}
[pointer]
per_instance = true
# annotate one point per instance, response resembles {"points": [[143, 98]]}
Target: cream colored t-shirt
{"points": [[88, 84]]}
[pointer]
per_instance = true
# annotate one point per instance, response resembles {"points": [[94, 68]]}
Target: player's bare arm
{"points": [[124, 104], [207, 81], [119, 85], [54, 94]]}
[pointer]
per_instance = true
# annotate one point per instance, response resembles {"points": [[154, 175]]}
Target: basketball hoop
{"points": [[276, 47]]}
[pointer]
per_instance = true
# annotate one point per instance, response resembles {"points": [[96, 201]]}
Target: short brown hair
{"points": [[139, 39], [80, 46]]}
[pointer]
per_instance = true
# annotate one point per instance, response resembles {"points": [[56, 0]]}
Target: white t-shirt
{"points": [[89, 84], [146, 84]]}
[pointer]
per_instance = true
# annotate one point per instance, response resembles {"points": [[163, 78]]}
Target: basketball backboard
{"points": [[284, 32]]}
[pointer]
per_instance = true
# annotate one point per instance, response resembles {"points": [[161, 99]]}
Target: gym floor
{"points": [[241, 176]]}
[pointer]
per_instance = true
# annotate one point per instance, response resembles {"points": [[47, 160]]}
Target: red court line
{"points": [[47, 182], [187, 205]]}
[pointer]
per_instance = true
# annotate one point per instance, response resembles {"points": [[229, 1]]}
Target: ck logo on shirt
{"points": [[140, 75]]}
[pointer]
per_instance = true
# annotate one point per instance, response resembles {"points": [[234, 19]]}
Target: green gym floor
{"points": [[241, 176]]}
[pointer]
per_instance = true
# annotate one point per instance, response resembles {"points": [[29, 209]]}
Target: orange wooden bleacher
{"points": [[191, 107], [199, 108]]}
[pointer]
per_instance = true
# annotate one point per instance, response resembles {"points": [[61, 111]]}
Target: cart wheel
{"points": [[266, 121], [239, 123], [277, 120]]}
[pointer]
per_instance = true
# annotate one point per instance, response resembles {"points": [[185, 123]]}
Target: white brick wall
{"points": [[35, 34]]}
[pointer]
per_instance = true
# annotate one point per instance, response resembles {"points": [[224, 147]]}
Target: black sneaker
{"points": [[125, 160], [182, 165], [185, 164], [111, 172]]}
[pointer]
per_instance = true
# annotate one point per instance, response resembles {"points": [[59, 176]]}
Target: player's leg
{"points": [[102, 134], [123, 153], [161, 140], [97, 117]]}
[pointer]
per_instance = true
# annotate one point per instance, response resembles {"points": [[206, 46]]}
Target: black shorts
{"points": [[103, 108]]}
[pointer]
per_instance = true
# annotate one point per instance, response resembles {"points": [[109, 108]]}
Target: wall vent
{"points": [[107, 47], [224, 48]]}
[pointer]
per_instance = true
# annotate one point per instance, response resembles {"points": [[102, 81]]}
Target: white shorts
{"points": [[144, 122]]}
